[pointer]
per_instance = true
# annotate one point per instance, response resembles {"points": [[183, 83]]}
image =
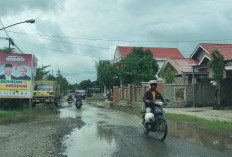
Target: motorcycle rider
{"points": [[78, 96], [70, 97], [151, 95]]}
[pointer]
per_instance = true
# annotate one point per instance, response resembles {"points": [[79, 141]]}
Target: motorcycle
{"points": [[78, 104], [155, 120], [70, 101]]}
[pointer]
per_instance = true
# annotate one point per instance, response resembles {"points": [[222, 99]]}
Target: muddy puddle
{"points": [[214, 139], [90, 140], [93, 139]]}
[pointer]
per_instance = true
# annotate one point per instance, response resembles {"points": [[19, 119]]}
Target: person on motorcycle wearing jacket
{"points": [[78, 96], [151, 95]]}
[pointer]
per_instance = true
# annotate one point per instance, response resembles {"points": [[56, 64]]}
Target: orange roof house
{"points": [[203, 51], [160, 54]]}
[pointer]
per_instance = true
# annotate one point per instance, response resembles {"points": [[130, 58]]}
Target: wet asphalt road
{"points": [[114, 133]]}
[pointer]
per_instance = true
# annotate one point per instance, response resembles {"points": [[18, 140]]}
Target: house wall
{"points": [[169, 93], [205, 93], [133, 93], [117, 55], [160, 62], [226, 92], [178, 80], [228, 74]]}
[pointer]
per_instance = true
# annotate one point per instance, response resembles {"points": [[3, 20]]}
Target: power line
{"points": [[115, 40], [64, 42], [29, 44], [10, 39], [48, 8]]}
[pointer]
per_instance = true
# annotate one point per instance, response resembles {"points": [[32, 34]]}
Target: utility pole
{"points": [[193, 82]]}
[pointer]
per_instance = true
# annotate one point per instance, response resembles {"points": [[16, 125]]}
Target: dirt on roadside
{"points": [[38, 139]]}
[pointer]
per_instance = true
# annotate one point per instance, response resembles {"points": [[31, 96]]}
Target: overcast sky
{"points": [[72, 35]]}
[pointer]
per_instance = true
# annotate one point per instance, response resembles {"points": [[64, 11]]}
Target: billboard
{"points": [[17, 72]]}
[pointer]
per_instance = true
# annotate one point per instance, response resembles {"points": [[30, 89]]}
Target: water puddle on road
{"points": [[214, 139], [90, 140]]}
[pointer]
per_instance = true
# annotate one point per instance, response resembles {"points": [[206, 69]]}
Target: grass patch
{"points": [[15, 112], [5, 113], [215, 124], [200, 121], [135, 112], [91, 100]]}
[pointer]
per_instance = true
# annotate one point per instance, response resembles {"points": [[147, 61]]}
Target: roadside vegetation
{"points": [[216, 124], [5, 113], [14, 107], [201, 122]]}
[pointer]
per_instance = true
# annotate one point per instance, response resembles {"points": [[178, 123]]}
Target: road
{"points": [[115, 133], [96, 130]]}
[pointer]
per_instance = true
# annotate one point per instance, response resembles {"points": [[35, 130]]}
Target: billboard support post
{"points": [[30, 103]]}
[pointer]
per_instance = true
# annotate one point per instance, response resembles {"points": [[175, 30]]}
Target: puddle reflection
{"points": [[221, 141], [90, 140]]}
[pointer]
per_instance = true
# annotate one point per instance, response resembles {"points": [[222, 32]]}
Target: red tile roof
{"points": [[157, 52], [185, 64], [225, 49]]}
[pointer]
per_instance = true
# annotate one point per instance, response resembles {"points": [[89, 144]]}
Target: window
{"points": [[180, 94], [44, 87]]}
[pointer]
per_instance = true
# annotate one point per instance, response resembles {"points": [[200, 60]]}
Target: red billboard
{"points": [[17, 73]]}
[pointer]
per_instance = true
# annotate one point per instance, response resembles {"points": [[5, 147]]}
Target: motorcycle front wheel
{"points": [[146, 130], [161, 130]]}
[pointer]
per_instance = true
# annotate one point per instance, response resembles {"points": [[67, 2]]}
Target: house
{"points": [[203, 51], [183, 69], [159, 54], [199, 92]]}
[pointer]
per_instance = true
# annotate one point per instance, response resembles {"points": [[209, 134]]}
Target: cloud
{"points": [[12, 7], [123, 20]]}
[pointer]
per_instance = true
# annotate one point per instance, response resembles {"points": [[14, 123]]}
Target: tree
{"points": [[85, 84], [218, 68], [168, 75], [41, 73], [62, 82], [107, 74], [7, 50], [139, 66], [73, 87], [51, 77]]}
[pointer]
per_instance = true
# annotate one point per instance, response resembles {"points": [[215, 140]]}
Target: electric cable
{"points": [[10, 39], [28, 44], [64, 42], [115, 40]]}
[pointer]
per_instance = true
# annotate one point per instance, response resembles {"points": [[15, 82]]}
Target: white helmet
{"points": [[152, 82]]}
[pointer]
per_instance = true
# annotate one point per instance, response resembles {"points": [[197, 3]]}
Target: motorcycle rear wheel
{"points": [[162, 130]]}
